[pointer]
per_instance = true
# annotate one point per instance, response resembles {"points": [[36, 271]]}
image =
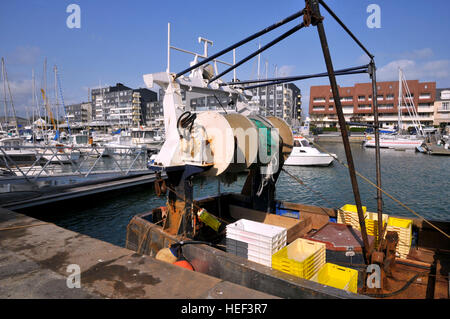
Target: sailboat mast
{"points": [[56, 99], [5, 79], [4, 93], [400, 97]]}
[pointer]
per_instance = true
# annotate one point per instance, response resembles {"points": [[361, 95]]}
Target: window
{"points": [[390, 97], [319, 108], [361, 98], [425, 96], [446, 105], [319, 99], [380, 97], [347, 99]]}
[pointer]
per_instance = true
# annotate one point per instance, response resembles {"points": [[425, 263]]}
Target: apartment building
{"points": [[442, 108], [357, 105], [79, 114], [281, 100], [120, 105]]}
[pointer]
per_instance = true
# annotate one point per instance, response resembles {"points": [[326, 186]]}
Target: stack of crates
{"points": [[255, 241], [302, 258], [348, 214], [372, 224], [403, 227], [338, 277]]}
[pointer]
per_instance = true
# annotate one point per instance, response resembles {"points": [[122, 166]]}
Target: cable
{"points": [[395, 292], [387, 194], [220, 104]]}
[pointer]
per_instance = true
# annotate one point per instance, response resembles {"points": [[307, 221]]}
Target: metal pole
{"points": [[313, 4], [268, 45], [298, 77], [373, 70], [301, 78], [345, 28], [234, 46], [168, 47]]}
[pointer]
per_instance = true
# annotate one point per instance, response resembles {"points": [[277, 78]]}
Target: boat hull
{"points": [[309, 160], [395, 143]]}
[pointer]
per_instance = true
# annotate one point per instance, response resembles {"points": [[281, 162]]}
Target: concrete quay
{"points": [[35, 256]]}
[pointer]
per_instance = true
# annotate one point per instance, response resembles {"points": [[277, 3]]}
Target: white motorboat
{"points": [[11, 150], [151, 138], [303, 154]]}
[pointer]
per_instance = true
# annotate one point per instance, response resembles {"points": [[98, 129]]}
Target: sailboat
{"points": [[396, 140]]}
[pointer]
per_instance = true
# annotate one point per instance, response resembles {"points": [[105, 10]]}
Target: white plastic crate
{"points": [[263, 240]]}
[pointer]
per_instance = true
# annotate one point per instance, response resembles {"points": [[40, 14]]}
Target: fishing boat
{"points": [[303, 154], [250, 238]]}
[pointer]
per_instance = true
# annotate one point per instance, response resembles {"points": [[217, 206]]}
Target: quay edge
{"points": [[34, 257]]}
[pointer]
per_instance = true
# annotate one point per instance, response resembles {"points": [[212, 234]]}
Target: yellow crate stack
{"points": [[302, 258], [404, 229], [348, 214], [338, 277], [372, 224]]}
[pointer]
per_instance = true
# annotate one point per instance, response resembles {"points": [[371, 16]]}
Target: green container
{"points": [[209, 219]]}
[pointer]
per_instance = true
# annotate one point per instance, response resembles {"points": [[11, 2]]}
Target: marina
{"points": [[216, 197]]}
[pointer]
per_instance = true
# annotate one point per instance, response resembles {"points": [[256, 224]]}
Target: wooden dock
{"points": [[437, 150], [29, 198]]}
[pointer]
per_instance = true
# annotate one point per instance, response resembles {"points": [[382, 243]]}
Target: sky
{"points": [[120, 41]]}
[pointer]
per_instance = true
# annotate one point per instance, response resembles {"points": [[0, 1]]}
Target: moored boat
{"points": [[303, 154]]}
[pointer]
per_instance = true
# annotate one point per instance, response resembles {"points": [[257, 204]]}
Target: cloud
{"points": [[413, 70], [286, 70]]}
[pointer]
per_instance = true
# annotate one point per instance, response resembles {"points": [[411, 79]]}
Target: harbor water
{"points": [[421, 182]]}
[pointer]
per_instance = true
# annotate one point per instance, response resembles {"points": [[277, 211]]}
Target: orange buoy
{"points": [[184, 264]]}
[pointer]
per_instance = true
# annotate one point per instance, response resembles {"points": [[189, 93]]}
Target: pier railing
{"points": [[35, 161]]}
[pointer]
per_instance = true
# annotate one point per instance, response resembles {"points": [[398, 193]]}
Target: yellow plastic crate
{"points": [[348, 214], [301, 258], [404, 229], [352, 208], [338, 277], [400, 222], [372, 223]]}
